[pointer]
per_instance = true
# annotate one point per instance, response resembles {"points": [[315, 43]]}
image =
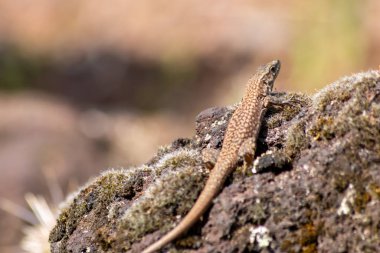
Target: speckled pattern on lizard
{"points": [[239, 140]]}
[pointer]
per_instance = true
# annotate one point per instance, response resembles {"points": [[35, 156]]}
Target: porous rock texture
{"points": [[314, 186]]}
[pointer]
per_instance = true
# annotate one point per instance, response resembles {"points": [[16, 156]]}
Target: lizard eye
{"points": [[273, 70]]}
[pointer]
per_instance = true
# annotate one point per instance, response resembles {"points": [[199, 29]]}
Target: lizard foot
{"points": [[247, 152]]}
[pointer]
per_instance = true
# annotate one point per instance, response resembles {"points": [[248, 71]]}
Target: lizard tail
{"points": [[200, 206]]}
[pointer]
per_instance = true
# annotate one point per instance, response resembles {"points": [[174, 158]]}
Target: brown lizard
{"points": [[239, 140]]}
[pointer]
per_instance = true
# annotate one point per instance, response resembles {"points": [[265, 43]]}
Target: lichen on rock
{"points": [[317, 188]]}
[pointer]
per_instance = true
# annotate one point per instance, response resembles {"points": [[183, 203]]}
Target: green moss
{"points": [[97, 195], [343, 107], [311, 248], [361, 199], [296, 139], [178, 179], [321, 128], [308, 235], [256, 213], [181, 178], [172, 160], [341, 182], [305, 238], [188, 241], [346, 105], [375, 189], [331, 97], [286, 246], [172, 194], [293, 104]]}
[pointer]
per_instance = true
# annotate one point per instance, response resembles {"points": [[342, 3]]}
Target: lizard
{"points": [[239, 141]]}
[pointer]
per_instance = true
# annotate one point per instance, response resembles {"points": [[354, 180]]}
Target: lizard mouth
{"points": [[275, 69]]}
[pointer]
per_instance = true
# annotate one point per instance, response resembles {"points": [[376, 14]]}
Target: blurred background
{"points": [[91, 85]]}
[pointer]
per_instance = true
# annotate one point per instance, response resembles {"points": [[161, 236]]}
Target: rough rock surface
{"points": [[316, 186]]}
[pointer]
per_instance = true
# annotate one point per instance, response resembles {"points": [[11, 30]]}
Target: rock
{"points": [[318, 189]]}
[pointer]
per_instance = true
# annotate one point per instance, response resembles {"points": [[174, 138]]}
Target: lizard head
{"points": [[269, 72]]}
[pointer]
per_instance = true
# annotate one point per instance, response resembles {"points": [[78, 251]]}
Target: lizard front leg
{"points": [[281, 101], [247, 152]]}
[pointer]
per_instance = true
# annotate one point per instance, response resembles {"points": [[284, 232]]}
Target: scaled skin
{"points": [[239, 140]]}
